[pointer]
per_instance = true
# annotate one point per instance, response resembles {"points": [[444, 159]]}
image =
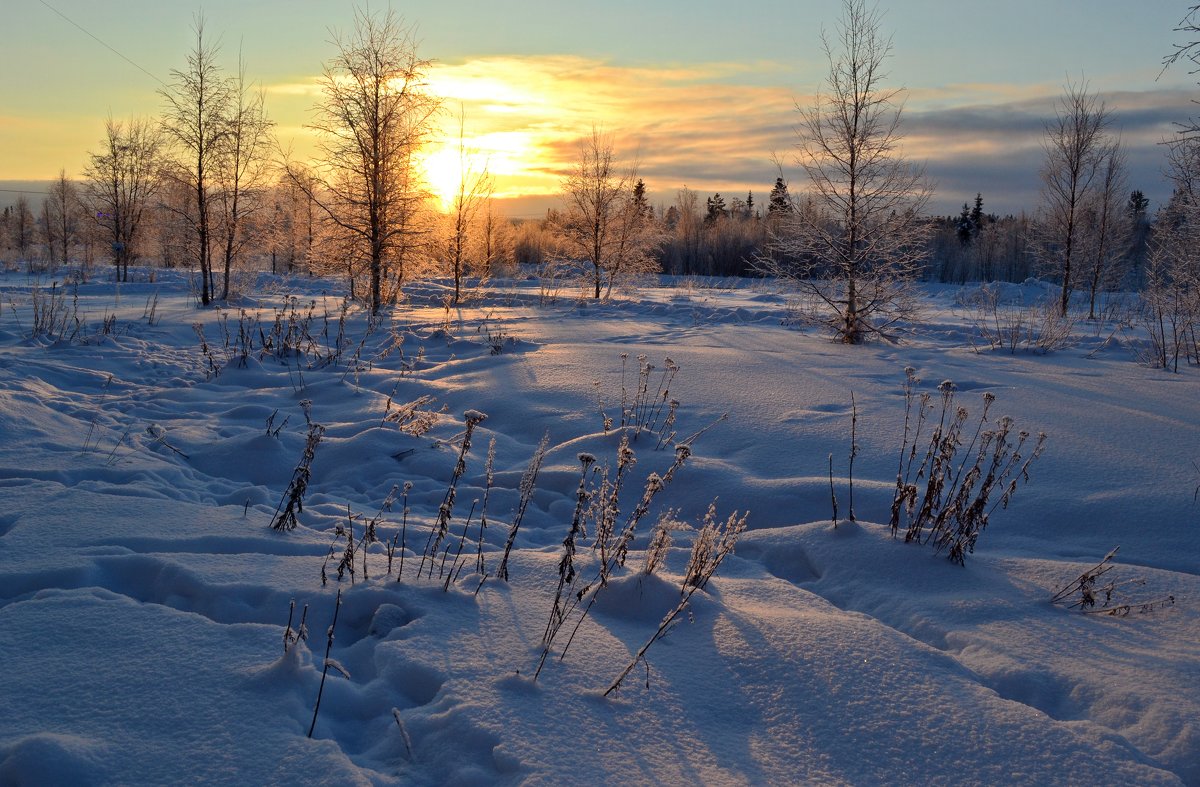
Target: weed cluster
{"points": [[291, 334], [1040, 327], [613, 547], [646, 403], [948, 502], [713, 543], [54, 315]]}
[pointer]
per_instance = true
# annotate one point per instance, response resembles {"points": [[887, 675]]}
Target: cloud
{"points": [[716, 126]]}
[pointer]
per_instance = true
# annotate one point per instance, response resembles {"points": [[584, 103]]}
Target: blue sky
{"points": [[703, 92]]}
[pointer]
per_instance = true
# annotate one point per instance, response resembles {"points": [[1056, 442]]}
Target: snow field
{"points": [[143, 596]]}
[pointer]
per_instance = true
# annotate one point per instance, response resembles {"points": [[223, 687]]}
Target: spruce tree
{"points": [[963, 225], [1139, 203], [977, 215], [780, 201], [716, 208], [640, 203]]}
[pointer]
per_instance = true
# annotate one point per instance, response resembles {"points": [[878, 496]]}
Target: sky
{"points": [[700, 94]]}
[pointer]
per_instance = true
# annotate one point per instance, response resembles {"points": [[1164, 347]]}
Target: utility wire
{"points": [[101, 43]]}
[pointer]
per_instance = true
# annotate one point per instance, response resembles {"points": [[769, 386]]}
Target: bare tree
{"points": [[1188, 51], [688, 230], [1075, 145], [241, 167], [121, 180], [474, 190], [22, 228], [297, 232], [1170, 298], [375, 114], [62, 218], [197, 107], [1171, 295], [1106, 224], [636, 238], [598, 226], [858, 242], [493, 240]]}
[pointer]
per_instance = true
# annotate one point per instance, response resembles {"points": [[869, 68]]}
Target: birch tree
{"points": [[860, 241], [602, 225], [121, 180], [1107, 225], [375, 113], [197, 106], [1075, 143], [62, 218], [474, 190], [241, 168]]}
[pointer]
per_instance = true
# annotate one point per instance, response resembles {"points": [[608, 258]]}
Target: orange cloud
{"points": [[715, 126]]}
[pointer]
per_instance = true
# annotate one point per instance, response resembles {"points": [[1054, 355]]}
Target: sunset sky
{"points": [[701, 92]]}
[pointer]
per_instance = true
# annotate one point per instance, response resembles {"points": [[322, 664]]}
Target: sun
{"points": [[442, 170]]}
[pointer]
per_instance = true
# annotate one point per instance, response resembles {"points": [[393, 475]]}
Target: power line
{"points": [[22, 191], [101, 43]]}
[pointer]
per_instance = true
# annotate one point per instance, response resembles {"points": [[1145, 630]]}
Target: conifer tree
{"points": [[780, 201]]}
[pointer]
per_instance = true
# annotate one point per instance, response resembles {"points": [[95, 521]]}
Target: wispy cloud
{"points": [[715, 126]]}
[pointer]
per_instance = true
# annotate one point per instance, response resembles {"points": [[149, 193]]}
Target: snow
{"points": [[144, 596]]}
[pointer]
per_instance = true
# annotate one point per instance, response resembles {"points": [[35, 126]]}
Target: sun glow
{"points": [[513, 119]]}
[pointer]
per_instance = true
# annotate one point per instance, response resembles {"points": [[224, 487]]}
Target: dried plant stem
{"points": [[292, 502], [404, 529], [853, 448], [713, 544], [832, 493], [488, 482], [446, 510], [566, 566], [462, 539], [327, 664], [528, 483]]}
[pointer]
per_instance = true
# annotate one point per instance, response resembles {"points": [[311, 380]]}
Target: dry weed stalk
{"points": [[299, 634], [528, 483], [1082, 593], [712, 545], [327, 663], [472, 418], [292, 502], [566, 565]]}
